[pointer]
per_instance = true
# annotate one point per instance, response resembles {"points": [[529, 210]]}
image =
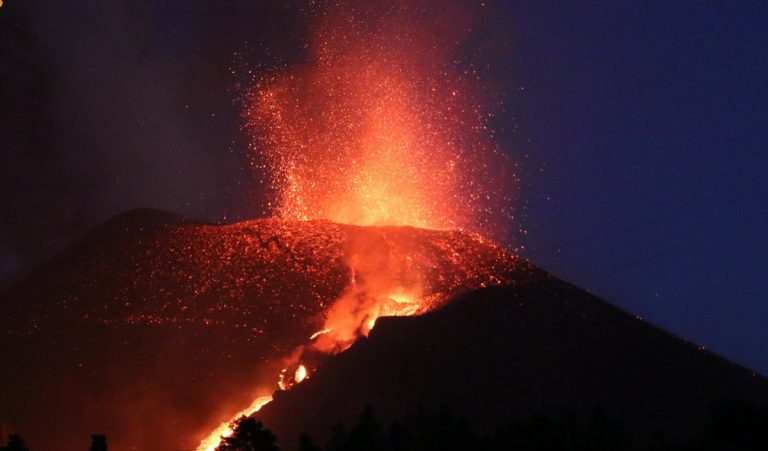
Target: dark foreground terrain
{"points": [[497, 355]]}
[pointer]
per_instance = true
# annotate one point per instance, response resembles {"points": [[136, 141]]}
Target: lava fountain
{"points": [[381, 126]]}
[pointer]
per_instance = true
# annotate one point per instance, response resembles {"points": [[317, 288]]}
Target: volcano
{"points": [[154, 328]]}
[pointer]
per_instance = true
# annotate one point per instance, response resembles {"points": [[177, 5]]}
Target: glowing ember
{"points": [[318, 333], [301, 374]]}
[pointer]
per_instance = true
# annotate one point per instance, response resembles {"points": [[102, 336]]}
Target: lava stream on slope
{"points": [[168, 318], [384, 280]]}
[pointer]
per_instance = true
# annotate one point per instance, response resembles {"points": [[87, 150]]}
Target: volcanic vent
{"points": [[157, 329]]}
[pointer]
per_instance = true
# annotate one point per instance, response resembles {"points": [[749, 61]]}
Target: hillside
{"points": [[540, 348], [153, 328]]}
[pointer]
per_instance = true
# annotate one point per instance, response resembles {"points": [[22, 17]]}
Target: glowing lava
{"points": [[380, 125], [317, 284], [211, 442], [301, 374]]}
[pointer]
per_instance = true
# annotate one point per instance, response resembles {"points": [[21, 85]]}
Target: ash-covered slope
{"points": [[498, 354], [153, 328]]}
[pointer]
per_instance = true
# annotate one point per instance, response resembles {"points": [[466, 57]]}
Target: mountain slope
{"points": [[541, 347], [154, 328]]}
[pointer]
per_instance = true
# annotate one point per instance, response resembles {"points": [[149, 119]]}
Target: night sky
{"points": [[639, 131]]}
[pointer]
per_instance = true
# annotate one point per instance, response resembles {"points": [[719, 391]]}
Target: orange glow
{"points": [[211, 442], [390, 271], [380, 125]]}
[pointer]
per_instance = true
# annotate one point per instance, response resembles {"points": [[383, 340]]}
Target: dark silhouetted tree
{"points": [[428, 430], [249, 435], [604, 434], [400, 436], [15, 443], [338, 440], [367, 434], [537, 433], [306, 444], [98, 442]]}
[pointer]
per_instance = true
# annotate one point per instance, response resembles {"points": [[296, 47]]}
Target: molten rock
{"points": [[154, 329]]}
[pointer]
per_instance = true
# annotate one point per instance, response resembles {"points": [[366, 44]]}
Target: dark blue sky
{"points": [[648, 122], [640, 129]]}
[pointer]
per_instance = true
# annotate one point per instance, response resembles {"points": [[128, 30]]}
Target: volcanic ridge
{"points": [[155, 329]]}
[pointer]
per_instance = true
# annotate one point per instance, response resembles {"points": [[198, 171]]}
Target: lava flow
{"points": [[387, 271], [224, 430], [378, 127]]}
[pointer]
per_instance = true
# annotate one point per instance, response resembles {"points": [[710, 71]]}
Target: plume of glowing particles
{"points": [[380, 126]]}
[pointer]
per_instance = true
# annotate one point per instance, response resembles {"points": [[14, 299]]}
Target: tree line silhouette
{"points": [[733, 425], [16, 443], [439, 430]]}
